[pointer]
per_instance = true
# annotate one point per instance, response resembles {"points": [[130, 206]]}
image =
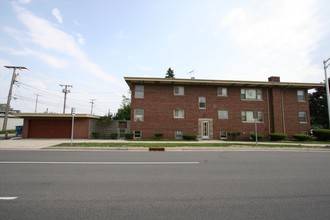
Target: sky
{"points": [[93, 44]]}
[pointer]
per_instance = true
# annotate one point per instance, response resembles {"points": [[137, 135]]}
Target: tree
{"points": [[170, 73], [124, 112], [318, 107]]}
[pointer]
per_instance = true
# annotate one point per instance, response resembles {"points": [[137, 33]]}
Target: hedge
{"points": [[129, 136], [301, 137], [114, 135], [253, 136], [189, 137], [277, 136], [322, 134], [234, 134]]}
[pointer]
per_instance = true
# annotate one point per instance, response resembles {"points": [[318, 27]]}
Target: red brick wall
{"points": [[159, 102]]}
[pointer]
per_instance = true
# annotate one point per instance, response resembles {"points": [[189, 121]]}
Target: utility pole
{"points": [[65, 91], [325, 66], [35, 109], [92, 102], [10, 92]]}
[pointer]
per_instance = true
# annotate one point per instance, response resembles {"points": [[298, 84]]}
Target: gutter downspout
{"points": [[282, 102]]}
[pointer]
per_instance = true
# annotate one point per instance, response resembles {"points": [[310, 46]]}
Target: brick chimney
{"points": [[274, 79]]}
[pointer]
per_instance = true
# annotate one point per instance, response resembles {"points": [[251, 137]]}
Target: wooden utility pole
{"points": [[4, 127], [65, 91]]}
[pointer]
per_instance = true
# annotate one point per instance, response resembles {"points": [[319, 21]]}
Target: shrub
{"points": [[322, 134], [95, 135], [158, 135], [189, 137], [129, 136], [253, 136], [301, 137], [234, 134], [277, 136], [114, 135]]}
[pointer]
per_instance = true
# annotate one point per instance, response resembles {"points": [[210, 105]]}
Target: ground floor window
{"points": [[302, 117], [137, 134], [223, 135], [179, 135]]}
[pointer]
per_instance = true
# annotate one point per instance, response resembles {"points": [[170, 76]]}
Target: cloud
{"points": [[25, 2], [57, 15], [44, 34], [143, 67]]}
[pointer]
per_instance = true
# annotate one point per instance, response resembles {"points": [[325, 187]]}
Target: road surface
{"points": [[164, 185]]}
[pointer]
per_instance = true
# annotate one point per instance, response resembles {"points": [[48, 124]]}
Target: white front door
{"points": [[205, 129]]}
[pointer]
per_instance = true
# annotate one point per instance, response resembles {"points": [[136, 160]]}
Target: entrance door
{"points": [[205, 129]]}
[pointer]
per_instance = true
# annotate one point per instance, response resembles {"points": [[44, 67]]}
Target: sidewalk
{"points": [[17, 143]]}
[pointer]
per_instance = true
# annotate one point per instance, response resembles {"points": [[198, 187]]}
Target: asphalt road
{"points": [[180, 185]]}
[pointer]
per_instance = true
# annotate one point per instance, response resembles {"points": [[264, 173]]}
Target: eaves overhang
{"points": [[227, 83], [52, 115]]}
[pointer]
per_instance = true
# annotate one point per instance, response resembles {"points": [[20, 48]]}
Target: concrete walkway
{"points": [[17, 143]]}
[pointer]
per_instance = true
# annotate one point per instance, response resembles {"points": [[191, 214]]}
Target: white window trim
{"points": [[222, 89], [305, 121], [258, 94], [139, 94], [225, 138], [178, 116], [138, 118], [199, 102], [260, 115], [178, 136], [180, 90], [225, 118], [140, 134], [303, 95]]}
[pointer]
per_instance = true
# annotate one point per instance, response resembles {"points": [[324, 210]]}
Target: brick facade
{"points": [[277, 103]]}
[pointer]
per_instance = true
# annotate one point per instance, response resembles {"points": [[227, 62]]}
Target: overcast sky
{"points": [[93, 44]]}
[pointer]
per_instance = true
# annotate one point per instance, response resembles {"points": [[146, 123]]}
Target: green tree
{"points": [[318, 108], [169, 73], [124, 112]]}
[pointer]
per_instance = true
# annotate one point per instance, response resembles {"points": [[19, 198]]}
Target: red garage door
{"points": [[49, 128]]}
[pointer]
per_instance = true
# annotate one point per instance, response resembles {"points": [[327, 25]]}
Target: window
{"points": [[138, 114], [222, 91], [178, 113], [179, 135], [251, 94], [202, 102], [137, 134], [178, 90], [250, 116], [139, 92], [223, 135], [223, 114], [301, 96], [302, 117]]}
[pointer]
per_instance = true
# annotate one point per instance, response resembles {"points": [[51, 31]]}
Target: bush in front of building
{"points": [[114, 135], [277, 136], [158, 135], [253, 136], [322, 134], [189, 137], [301, 137], [129, 136], [96, 135], [234, 134]]}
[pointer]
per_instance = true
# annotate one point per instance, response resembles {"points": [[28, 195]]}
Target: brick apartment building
{"points": [[212, 108]]}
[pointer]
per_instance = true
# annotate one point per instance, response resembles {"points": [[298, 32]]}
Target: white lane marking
{"points": [[100, 163], [8, 198]]}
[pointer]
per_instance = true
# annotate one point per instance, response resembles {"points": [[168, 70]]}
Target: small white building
{"points": [[12, 121]]}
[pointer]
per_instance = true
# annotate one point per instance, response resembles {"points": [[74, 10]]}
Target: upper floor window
{"points": [[178, 113], [178, 90], [223, 114], [301, 96], [222, 91], [139, 91], [302, 117], [251, 94], [251, 116], [202, 102], [138, 114]]}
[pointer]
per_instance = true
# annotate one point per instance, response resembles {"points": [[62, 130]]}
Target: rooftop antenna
{"points": [[191, 73]]}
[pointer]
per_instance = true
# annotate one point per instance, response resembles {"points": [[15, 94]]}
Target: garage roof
{"points": [[53, 115]]}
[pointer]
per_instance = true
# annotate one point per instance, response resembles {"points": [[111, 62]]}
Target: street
{"points": [[48, 184]]}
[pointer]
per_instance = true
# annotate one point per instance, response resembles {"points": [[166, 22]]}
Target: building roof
{"points": [[209, 82], [54, 115]]}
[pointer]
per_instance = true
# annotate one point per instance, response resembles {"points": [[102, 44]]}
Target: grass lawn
{"points": [[193, 144]]}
